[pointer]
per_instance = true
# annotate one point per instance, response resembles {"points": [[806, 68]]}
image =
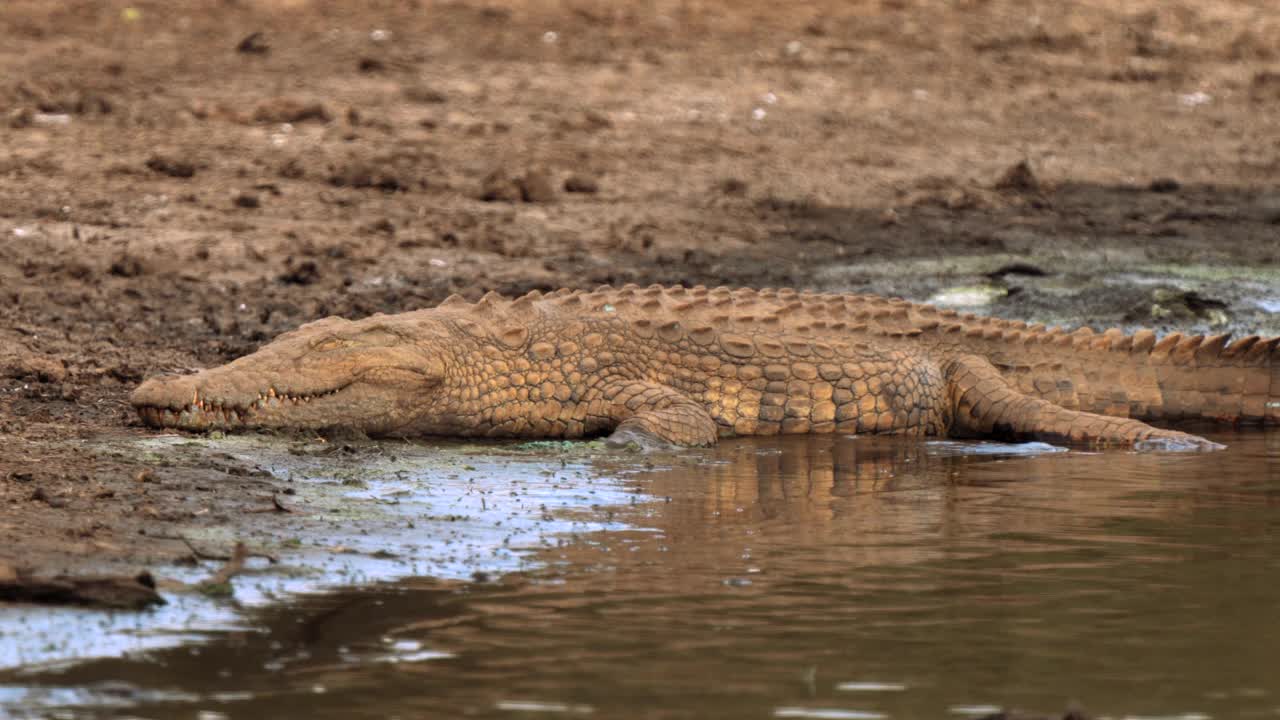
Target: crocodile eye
{"points": [[329, 344]]}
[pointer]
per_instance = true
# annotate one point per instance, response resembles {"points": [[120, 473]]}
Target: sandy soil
{"points": [[179, 182]]}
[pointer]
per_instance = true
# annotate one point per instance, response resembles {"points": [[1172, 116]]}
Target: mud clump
{"points": [[291, 110], [171, 166], [581, 184], [253, 44], [22, 364], [533, 187], [384, 174], [1019, 178], [136, 592], [536, 187], [306, 272], [424, 95], [127, 266], [364, 175], [497, 186], [586, 120]]}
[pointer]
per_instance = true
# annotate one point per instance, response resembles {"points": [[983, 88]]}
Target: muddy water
{"points": [[807, 577]]}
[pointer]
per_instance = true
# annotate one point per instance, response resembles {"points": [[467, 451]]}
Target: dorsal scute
{"points": [[1211, 349], [1241, 346], [1143, 341], [1262, 350], [1188, 345], [523, 305], [1162, 347], [1118, 341]]}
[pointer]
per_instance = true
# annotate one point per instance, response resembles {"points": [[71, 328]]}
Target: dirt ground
{"points": [[181, 181]]}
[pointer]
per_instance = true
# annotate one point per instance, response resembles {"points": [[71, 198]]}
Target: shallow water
{"points": [[796, 577]]}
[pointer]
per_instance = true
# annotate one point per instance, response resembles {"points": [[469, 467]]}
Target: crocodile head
{"points": [[380, 375]]}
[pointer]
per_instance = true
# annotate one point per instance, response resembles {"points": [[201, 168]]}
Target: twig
{"points": [[232, 568], [222, 557]]}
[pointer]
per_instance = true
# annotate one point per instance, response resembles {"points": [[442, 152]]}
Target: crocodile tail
{"points": [[1140, 376], [1177, 377], [1212, 378]]}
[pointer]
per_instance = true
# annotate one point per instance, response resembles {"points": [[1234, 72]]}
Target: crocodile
{"points": [[688, 366]]}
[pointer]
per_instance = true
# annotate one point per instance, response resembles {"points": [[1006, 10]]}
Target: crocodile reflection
{"points": [[878, 501]]}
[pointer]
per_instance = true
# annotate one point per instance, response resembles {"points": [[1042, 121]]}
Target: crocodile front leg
{"points": [[986, 405], [651, 414]]}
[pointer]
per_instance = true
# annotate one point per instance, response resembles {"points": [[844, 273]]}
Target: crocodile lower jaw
{"points": [[205, 413]]}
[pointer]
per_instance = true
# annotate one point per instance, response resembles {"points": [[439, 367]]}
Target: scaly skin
{"points": [[688, 366]]}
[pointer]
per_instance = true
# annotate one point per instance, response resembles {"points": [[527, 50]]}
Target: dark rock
{"points": [[732, 187], [253, 44], [128, 266], [304, 273], [581, 184], [1018, 268], [1019, 178], [291, 110], [173, 167], [498, 186], [119, 592], [1164, 185], [424, 94], [360, 174]]}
